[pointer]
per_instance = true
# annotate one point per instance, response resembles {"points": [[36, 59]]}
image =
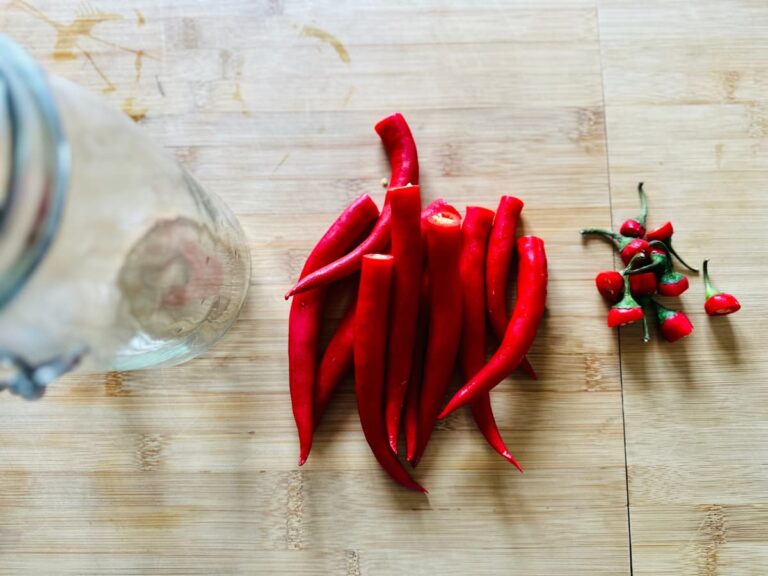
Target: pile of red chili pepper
{"points": [[428, 280], [648, 257]]}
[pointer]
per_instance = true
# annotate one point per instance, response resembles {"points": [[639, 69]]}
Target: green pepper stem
{"points": [[709, 290], [643, 205], [646, 333], [627, 300], [636, 258], [679, 259], [615, 238]]}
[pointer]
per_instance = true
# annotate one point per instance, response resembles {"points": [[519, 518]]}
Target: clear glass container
{"points": [[112, 257]]}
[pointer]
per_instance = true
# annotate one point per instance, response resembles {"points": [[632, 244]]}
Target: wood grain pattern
{"points": [[685, 112], [565, 103]]}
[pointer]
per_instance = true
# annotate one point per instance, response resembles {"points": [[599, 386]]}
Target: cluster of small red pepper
{"points": [[648, 257], [427, 280]]}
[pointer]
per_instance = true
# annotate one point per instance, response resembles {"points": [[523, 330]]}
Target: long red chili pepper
{"points": [[499, 258], [522, 328], [371, 319], [306, 314], [337, 358], [336, 363], [405, 203], [401, 150], [398, 141], [474, 240], [443, 251], [500, 251], [417, 372]]}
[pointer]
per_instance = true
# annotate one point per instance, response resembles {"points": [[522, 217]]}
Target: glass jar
{"points": [[112, 256]]}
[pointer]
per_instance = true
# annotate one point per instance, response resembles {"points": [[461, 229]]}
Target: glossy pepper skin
{"points": [[643, 284], [307, 311], [521, 330], [663, 233], [401, 150], [610, 284], [371, 324], [501, 246], [674, 325], [407, 250], [337, 362], [443, 253], [635, 227], [672, 284], [474, 240], [718, 303], [627, 310]]}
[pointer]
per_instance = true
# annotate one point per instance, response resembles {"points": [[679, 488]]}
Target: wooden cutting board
{"points": [[652, 459]]}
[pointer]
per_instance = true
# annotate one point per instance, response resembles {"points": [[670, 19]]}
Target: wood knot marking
{"points": [[353, 562], [149, 452], [450, 160], [593, 373], [294, 528], [589, 126], [713, 528], [730, 83], [113, 385]]}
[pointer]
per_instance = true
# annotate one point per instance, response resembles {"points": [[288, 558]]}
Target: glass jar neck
{"points": [[34, 168]]}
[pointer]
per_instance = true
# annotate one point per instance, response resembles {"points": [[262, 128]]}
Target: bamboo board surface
{"points": [[651, 460]]}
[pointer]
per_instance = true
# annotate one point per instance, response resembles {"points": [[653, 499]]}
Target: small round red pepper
{"points": [[672, 284], [718, 303], [643, 284], [674, 324], [635, 227], [663, 233], [610, 284], [627, 310]]}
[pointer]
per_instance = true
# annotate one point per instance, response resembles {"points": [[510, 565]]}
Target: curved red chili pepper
{"points": [[336, 363], [401, 150], [405, 203], [398, 141], [672, 284], [474, 240], [522, 328], [306, 315], [443, 250], [718, 303], [371, 323]]}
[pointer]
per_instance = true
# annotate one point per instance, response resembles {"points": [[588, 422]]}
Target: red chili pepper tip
{"points": [[663, 233], [672, 284], [610, 284], [722, 304], [622, 316], [674, 325], [718, 303]]}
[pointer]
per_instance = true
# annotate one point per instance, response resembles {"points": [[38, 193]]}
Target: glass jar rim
{"points": [[23, 82]]}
